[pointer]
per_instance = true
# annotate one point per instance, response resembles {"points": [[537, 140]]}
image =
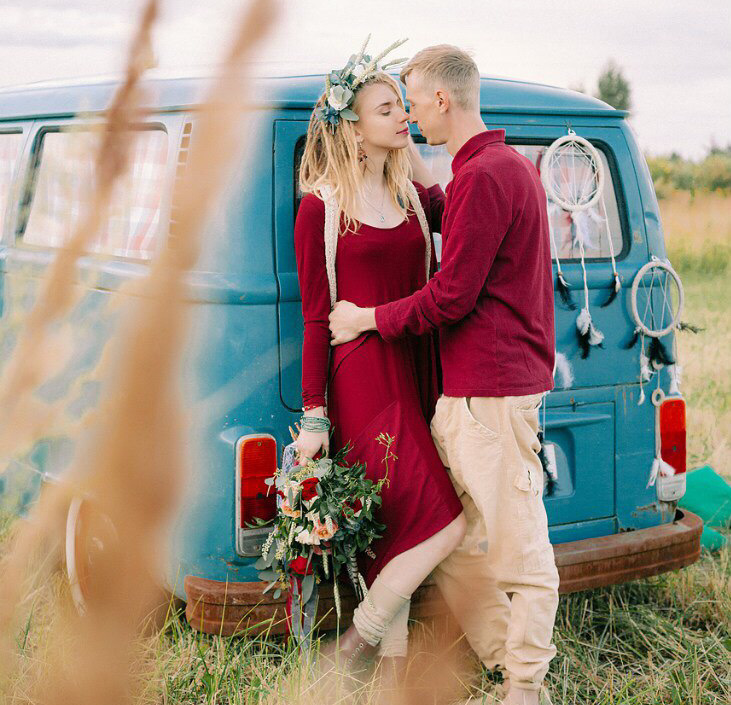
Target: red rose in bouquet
{"points": [[300, 566], [309, 488], [356, 505]]}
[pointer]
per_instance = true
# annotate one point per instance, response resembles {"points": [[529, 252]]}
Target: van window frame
{"points": [[10, 206], [30, 175]]}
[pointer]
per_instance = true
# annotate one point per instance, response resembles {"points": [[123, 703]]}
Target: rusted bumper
{"points": [[228, 608]]}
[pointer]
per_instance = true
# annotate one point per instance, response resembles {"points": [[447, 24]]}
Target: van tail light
{"points": [[256, 461], [672, 433], [672, 449]]}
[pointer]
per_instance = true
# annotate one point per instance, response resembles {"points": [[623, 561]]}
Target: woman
{"points": [[356, 160]]}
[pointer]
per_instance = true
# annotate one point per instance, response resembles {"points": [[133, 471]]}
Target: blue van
{"points": [[243, 361]]}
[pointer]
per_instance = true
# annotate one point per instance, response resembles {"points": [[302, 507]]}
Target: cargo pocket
{"points": [[535, 550], [475, 423], [530, 480]]}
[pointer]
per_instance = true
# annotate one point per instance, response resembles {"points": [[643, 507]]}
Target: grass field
{"points": [[662, 641]]}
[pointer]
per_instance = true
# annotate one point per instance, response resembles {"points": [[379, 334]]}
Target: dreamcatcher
{"points": [[656, 303], [573, 177]]}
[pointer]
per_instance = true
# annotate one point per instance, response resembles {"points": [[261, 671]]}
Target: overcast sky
{"points": [[676, 55]]}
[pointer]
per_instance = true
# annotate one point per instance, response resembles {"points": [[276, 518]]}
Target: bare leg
{"points": [[405, 572], [392, 589]]}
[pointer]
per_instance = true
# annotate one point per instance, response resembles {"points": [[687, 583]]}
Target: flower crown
{"points": [[340, 86]]}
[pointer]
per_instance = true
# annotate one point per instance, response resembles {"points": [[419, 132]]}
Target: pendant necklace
{"points": [[378, 210]]}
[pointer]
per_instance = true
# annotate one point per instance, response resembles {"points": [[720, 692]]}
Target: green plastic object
{"points": [[711, 540], [708, 495]]}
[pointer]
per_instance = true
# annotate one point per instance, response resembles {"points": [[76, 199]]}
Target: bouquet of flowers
{"points": [[325, 518]]}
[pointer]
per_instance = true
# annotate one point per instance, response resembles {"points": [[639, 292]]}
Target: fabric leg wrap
{"points": [[373, 616], [395, 641]]}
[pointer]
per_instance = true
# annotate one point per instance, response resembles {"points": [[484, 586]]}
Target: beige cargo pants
{"points": [[502, 582]]}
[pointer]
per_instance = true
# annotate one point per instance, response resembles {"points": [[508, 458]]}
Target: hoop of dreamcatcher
{"points": [[656, 304], [573, 176]]}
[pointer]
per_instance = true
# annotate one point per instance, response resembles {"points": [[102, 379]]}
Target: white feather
{"points": [[562, 366], [675, 379], [585, 231], [659, 467], [583, 321], [646, 371], [653, 473], [595, 335], [585, 324]]}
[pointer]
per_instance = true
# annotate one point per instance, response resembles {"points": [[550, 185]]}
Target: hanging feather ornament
{"points": [[547, 456], [646, 372], [564, 292], [633, 340], [562, 369], [683, 326], [676, 372], [588, 334], [658, 354], [562, 286], [613, 291], [659, 468]]}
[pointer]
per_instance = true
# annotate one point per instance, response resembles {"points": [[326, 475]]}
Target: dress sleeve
{"points": [[309, 245]]}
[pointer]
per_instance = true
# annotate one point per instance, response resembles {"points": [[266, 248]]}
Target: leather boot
{"points": [[348, 655]]}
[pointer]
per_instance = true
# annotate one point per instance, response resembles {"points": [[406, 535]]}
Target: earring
{"points": [[362, 156]]}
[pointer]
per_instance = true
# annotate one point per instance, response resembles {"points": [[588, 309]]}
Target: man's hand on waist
{"points": [[348, 321]]}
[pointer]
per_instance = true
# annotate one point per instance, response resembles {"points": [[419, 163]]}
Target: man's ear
{"points": [[442, 98]]}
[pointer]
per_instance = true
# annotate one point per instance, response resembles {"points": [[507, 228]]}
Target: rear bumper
{"points": [[228, 608]]}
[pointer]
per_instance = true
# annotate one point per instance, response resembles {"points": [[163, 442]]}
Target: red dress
{"points": [[374, 386]]}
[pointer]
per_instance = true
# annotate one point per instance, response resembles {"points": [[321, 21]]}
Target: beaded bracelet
{"points": [[316, 424]]}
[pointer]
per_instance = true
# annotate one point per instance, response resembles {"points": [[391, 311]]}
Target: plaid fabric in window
{"points": [[64, 185]]}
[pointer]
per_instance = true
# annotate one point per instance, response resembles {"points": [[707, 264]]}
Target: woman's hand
{"points": [[310, 443]]}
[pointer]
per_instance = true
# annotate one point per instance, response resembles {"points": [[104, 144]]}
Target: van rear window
{"points": [[59, 193], [10, 146], [597, 243]]}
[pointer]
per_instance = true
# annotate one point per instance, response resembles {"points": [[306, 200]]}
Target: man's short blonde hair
{"points": [[451, 67]]}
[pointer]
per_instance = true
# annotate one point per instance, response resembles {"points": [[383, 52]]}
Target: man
{"points": [[492, 302]]}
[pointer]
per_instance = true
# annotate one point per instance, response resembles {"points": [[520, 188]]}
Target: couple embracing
{"points": [[464, 496]]}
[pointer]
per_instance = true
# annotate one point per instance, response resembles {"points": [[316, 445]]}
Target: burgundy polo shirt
{"points": [[492, 299]]}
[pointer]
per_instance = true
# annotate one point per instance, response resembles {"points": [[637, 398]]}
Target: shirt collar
{"points": [[474, 145]]}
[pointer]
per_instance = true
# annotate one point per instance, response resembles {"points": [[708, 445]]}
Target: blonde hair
{"points": [[331, 159], [451, 66]]}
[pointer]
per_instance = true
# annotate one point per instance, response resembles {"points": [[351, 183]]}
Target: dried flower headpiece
{"points": [[340, 86]]}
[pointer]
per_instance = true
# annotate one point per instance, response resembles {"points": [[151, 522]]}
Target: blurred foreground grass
{"points": [[662, 641]]}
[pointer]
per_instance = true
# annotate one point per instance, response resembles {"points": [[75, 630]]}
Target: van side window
{"points": [[597, 244], [10, 146], [59, 190]]}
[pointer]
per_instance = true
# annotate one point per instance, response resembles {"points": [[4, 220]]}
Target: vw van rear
{"points": [[243, 361]]}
